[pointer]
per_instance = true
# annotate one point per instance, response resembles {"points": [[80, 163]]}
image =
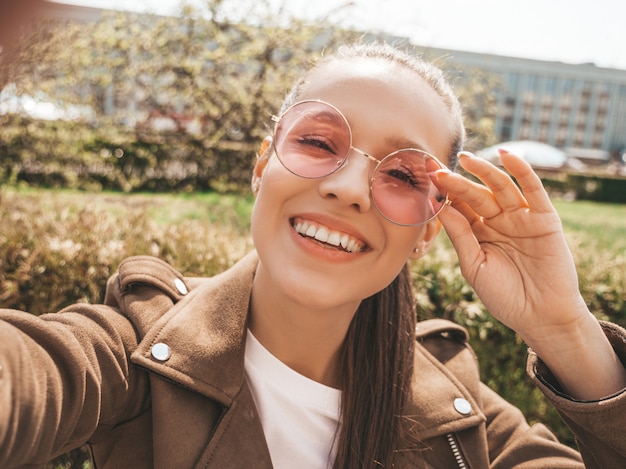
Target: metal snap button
{"points": [[180, 286], [462, 406], [161, 352]]}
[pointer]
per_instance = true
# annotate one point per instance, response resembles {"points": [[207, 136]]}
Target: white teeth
{"points": [[344, 241], [334, 238], [301, 227], [324, 235]]}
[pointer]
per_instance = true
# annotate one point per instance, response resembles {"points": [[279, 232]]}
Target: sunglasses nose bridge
{"points": [[365, 154]]}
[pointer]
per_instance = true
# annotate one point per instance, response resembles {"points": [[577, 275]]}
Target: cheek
{"points": [[276, 180], [261, 215], [401, 245], [277, 187], [400, 242]]}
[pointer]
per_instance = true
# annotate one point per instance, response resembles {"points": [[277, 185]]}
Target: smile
{"points": [[327, 236]]}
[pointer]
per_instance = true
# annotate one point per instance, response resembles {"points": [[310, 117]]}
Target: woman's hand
{"points": [[511, 245], [513, 252]]}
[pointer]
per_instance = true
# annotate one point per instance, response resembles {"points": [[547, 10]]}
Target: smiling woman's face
{"points": [[388, 107]]}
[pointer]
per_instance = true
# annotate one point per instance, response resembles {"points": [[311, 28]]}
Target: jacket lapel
{"points": [[238, 441], [439, 403], [205, 335]]}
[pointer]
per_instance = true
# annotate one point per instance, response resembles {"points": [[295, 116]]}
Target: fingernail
{"points": [[503, 150], [465, 154]]}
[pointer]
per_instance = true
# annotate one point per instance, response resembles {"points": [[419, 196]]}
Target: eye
{"points": [[317, 144], [400, 177], [403, 175]]}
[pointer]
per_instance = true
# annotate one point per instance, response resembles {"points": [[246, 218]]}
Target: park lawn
{"points": [[162, 208], [601, 224]]}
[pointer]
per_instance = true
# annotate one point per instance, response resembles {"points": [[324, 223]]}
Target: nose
{"points": [[350, 184]]}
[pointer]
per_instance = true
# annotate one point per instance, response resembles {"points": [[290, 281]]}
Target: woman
{"points": [[304, 354]]}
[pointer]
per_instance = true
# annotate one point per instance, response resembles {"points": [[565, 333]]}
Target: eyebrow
{"points": [[326, 116], [398, 142]]}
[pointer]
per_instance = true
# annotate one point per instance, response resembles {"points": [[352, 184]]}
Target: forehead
{"points": [[384, 99]]}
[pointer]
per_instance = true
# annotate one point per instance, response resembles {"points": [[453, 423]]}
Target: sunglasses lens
{"points": [[404, 188], [312, 139]]}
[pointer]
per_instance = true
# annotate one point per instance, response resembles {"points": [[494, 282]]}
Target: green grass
{"points": [[602, 225], [163, 209]]}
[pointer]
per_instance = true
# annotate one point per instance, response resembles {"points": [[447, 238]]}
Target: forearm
{"points": [[52, 391]]}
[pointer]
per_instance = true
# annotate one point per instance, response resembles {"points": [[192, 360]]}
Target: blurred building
{"points": [[574, 107], [579, 108]]}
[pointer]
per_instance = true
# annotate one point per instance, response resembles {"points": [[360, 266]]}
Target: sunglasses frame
{"points": [[344, 160]]}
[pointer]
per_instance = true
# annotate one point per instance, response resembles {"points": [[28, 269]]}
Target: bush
{"points": [[52, 256], [598, 188], [586, 186], [76, 155]]}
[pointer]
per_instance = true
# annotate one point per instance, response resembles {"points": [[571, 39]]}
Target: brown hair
{"points": [[377, 355], [376, 370]]}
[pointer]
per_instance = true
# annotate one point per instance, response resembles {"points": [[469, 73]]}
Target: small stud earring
{"points": [[416, 250]]}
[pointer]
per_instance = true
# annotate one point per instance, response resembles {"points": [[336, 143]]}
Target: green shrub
{"points": [[598, 188], [75, 155], [53, 255]]}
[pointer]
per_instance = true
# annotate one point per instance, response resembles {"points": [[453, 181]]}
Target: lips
{"points": [[324, 235]]}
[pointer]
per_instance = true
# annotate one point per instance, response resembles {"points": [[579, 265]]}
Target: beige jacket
{"points": [[154, 378]]}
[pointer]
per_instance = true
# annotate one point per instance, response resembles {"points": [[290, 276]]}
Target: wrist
{"points": [[570, 336], [582, 360]]}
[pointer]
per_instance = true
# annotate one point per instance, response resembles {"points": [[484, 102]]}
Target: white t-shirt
{"points": [[299, 415]]}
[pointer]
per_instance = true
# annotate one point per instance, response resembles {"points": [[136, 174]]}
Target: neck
{"points": [[308, 340]]}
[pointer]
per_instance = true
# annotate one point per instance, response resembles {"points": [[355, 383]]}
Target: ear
{"points": [[261, 163], [424, 243]]}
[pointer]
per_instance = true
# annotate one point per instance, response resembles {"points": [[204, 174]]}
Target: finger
{"points": [[506, 193], [463, 239], [466, 210], [530, 183], [474, 195]]}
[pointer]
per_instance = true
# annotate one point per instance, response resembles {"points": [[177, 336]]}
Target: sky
{"points": [[570, 31]]}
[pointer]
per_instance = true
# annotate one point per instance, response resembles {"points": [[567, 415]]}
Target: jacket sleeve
{"points": [[61, 376], [597, 425]]}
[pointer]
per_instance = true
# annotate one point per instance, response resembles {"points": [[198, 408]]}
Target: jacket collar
{"points": [[205, 332]]}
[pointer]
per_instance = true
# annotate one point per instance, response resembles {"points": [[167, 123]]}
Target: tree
{"points": [[477, 92], [191, 94], [213, 78]]}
